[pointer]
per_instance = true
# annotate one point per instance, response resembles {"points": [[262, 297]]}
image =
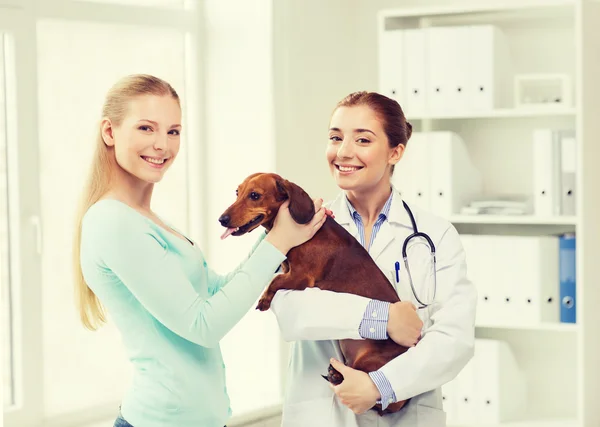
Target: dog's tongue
{"points": [[228, 233]]}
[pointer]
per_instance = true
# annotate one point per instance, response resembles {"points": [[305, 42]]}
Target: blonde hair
{"points": [[115, 109]]}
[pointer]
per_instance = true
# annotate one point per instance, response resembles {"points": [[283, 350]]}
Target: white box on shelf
{"points": [[543, 90]]}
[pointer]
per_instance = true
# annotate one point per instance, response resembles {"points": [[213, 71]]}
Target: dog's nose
{"points": [[224, 220]]}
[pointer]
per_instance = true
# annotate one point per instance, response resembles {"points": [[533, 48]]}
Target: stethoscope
{"points": [[417, 233]]}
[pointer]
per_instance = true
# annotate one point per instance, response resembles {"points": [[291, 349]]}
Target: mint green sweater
{"points": [[172, 311]]}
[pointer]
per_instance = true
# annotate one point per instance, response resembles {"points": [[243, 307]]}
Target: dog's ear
{"points": [[301, 207]]}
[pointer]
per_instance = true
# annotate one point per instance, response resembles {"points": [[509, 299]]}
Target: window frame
{"points": [[18, 19]]}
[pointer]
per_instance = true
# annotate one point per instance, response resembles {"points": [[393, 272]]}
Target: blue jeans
{"points": [[120, 422]]}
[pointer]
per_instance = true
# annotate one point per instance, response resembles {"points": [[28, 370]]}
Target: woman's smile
{"points": [[155, 162], [347, 169]]}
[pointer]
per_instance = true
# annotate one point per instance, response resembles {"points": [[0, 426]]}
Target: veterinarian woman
{"points": [[170, 308], [367, 136]]}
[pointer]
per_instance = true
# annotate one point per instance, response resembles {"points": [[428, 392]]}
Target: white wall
{"points": [[240, 140], [316, 65]]}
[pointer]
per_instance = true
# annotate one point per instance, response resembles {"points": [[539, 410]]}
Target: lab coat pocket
{"points": [[428, 416]]}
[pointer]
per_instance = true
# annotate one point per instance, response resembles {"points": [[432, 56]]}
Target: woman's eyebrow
{"points": [[364, 130]]}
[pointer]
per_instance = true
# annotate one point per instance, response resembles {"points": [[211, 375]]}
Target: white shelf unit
{"points": [[522, 112], [560, 361]]}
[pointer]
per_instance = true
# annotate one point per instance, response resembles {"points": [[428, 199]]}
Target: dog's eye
{"points": [[254, 196]]}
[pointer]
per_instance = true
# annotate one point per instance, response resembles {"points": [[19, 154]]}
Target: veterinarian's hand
{"points": [[358, 391], [404, 325], [287, 233]]}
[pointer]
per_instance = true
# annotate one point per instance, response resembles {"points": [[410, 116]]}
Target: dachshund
{"points": [[332, 260]]}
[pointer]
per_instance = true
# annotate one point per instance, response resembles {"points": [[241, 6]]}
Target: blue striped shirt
{"points": [[375, 318]]}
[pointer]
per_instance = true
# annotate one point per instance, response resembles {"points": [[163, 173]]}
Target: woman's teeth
{"points": [[155, 161], [347, 169]]}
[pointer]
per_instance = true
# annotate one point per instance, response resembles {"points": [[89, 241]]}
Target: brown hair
{"points": [[99, 182], [397, 129]]}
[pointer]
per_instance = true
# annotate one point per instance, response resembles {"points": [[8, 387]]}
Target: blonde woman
{"points": [[170, 307]]}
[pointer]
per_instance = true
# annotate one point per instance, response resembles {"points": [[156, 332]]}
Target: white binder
{"points": [[482, 271], [546, 172], [500, 386], [412, 174], [454, 179], [440, 48], [536, 278], [465, 398], [450, 403], [568, 196], [391, 69], [516, 277], [414, 102], [489, 68]]}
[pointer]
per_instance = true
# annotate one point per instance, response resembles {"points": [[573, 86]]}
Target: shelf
{"points": [[500, 113], [552, 327], [490, 6], [513, 219], [531, 423]]}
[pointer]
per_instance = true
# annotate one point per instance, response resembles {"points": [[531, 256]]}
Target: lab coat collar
{"points": [[397, 214]]}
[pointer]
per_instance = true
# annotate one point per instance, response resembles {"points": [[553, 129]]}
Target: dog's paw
{"points": [[334, 376], [263, 304]]}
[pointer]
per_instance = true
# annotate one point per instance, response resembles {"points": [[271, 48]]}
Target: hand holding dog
{"points": [[358, 391], [287, 233], [404, 325]]}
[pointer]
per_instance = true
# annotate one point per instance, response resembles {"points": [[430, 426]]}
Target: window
{"points": [[5, 296], [66, 54], [70, 100], [241, 41], [151, 3]]}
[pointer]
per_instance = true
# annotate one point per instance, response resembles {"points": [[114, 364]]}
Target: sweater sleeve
{"points": [[217, 281], [140, 259]]}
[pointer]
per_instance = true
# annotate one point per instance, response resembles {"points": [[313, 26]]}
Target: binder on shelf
{"points": [[568, 175], [567, 267], [414, 102], [436, 173], [490, 389], [391, 69], [447, 60], [536, 279], [554, 172], [516, 278], [500, 386], [465, 387], [412, 175], [443, 69], [488, 68], [454, 179], [546, 172]]}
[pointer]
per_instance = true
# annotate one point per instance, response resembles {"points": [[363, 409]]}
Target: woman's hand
{"points": [[287, 233], [404, 325], [358, 391]]}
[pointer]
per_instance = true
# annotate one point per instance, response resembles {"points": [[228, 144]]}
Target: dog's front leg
{"points": [[282, 281]]}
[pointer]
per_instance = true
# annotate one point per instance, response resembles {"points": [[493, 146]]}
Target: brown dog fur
{"points": [[332, 260]]}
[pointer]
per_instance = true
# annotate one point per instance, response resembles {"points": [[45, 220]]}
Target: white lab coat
{"points": [[314, 320]]}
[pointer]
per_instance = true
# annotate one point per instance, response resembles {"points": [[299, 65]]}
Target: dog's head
{"points": [[258, 200]]}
